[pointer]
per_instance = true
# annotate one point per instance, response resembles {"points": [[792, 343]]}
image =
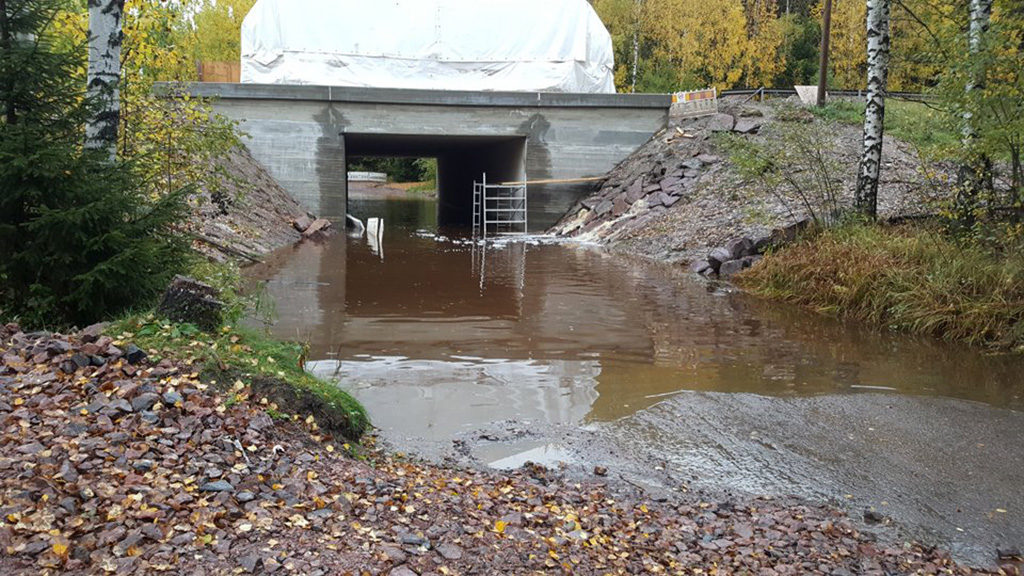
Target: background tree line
{"points": [[668, 45]]}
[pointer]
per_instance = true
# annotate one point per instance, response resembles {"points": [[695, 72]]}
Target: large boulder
{"points": [[320, 228], [189, 301], [740, 248], [731, 268], [635, 192], [92, 333], [722, 122], [619, 206], [603, 208], [702, 267], [748, 126], [764, 244], [302, 223], [719, 256], [790, 233]]}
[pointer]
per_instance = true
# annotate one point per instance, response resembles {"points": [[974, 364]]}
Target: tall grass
{"points": [[904, 278]]}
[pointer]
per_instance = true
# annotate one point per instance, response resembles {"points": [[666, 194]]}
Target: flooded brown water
{"points": [[435, 335], [563, 353]]}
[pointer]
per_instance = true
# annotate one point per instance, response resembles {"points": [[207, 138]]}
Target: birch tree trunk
{"points": [[981, 16], [105, 73], [874, 116], [636, 42], [10, 115], [973, 173]]}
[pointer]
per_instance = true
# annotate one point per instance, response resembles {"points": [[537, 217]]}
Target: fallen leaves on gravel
{"points": [[119, 468]]}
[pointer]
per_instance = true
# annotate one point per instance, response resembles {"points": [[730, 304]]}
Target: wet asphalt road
{"points": [[942, 471], [949, 472]]}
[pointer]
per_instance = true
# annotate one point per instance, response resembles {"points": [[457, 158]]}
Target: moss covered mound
{"points": [[273, 370]]}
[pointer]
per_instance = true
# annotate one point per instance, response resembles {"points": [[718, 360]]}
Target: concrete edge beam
{"points": [[414, 97]]}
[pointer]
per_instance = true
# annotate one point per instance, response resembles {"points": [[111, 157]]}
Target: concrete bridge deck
{"points": [[304, 134]]}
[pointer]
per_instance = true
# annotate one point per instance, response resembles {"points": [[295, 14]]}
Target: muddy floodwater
{"points": [[553, 352]]}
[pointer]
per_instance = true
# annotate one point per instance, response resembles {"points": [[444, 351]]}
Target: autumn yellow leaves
{"points": [[728, 44]]}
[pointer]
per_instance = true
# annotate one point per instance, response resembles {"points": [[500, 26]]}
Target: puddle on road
{"points": [[437, 337], [547, 455]]}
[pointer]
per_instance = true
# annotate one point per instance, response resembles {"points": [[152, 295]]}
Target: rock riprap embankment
{"points": [[111, 463], [739, 254], [666, 170], [681, 194]]}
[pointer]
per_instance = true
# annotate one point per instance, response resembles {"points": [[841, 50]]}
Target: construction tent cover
{"points": [[492, 45]]}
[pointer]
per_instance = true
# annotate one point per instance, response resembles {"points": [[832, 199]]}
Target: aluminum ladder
{"points": [[499, 209]]}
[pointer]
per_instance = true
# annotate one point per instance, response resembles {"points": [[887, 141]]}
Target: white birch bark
{"points": [[975, 171], [874, 116], [981, 16], [637, 8], [105, 73], [10, 115]]}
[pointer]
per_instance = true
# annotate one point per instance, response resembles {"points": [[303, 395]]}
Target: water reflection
{"points": [[423, 394], [440, 336]]}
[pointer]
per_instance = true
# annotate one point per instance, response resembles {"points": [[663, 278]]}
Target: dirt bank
{"points": [[681, 195], [373, 190], [111, 464]]}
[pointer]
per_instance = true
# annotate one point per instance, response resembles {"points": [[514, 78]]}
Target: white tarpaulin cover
{"points": [[492, 45]]}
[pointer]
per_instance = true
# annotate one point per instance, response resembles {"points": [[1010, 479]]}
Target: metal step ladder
{"points": [[478, 195], [499, 209]]}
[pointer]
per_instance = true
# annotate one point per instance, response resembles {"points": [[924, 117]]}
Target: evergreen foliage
{"points": [[80, 239]]}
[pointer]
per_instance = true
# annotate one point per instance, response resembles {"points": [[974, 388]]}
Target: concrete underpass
{"points": [[461, 160], [304, 134]]}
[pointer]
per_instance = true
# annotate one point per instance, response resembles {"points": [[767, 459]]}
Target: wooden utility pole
{"points": [[826, 33]]}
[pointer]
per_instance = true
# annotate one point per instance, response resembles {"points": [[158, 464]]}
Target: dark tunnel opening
{"points": [[461, 160]]}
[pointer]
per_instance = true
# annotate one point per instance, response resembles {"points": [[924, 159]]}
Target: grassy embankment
{"points": [[907, 278], [911, 122], [242, 362], [912, 278]]}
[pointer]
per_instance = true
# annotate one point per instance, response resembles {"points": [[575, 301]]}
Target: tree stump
{"points": [[189, 301]]}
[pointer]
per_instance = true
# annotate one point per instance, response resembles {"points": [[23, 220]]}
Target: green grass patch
{"points": [[907, 278], [271, 368], [927, 129], [428, 187]]}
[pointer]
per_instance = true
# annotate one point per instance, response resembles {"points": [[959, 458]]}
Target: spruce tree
{"points": [[80, 240]]}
